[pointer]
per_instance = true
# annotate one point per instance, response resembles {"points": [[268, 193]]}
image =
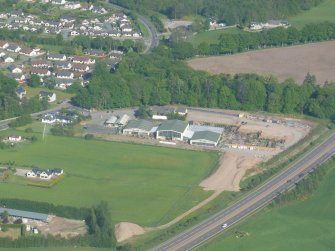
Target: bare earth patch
{"points": [[126, 230], [60, 226], [230, 172], [233, 163], [287, 62]]}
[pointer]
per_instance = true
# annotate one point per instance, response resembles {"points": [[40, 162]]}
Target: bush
{"points": [[21, 121], [89, 136], [28, 130]]}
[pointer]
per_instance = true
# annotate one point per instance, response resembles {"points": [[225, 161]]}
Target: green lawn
{"points": [[212, 37], [147, 185], [304, 225], [61, 95], [55, 249], [323, 12]]}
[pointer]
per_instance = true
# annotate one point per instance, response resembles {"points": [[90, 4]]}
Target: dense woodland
{"points": [[229, 11], [158, 79], [10, 105]]}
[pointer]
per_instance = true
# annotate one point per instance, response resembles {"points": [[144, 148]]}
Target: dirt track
{"points": [[288, 62]]}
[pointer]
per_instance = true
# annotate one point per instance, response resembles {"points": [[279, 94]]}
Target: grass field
{"points": [[146, 185], [212, 36], [321, 13], [31, 92], [305, 225]]}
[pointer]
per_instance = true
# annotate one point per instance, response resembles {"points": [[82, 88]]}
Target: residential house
{"points": [[64, 83], [80, 68], [72, 5], [58, 2], [64, 74], [20, 92], [28, 52], [15, 69], [122, 121], [95, 53], [13, 48], [56, 57], [8, 59], [110, 122], [41, 64], [14, 138], [64, 65], [19, 77], [50, 96], [3, 44], [46, 175], [83, 60], [41, 72]]}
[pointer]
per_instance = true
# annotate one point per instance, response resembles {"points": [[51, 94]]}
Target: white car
{"points": [[224, 225]]}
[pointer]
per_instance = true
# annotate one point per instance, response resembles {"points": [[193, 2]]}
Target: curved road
{"points": [[255, 200], [152, 41]]}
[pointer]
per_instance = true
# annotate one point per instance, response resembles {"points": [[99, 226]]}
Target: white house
{"points": [[46, 175], [8, 59], [31, 174], [50, 96], [14, 138]]}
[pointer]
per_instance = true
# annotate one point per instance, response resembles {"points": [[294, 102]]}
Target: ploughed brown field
{"points": [[287, 62]]}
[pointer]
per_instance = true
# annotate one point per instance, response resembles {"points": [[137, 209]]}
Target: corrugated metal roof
{"points": [[24, 214], [140, 124], [206, 135], [173, 125]]}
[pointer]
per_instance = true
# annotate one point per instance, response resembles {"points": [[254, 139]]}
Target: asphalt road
{"points": [[252, 202], [152, 41]]}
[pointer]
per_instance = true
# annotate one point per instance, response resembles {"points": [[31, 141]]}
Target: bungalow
{"points": [[40, 72], [67, 19], [3, 44], [13, 48], [49, 119], [205, 138], [50, 96], [14, 138], [56, 57], [58, 2], [2, 53], [72, 5], [64, 74], [138, 127], [64, 83], [63, 65], [19, 77], [83, 60], [14, 69], [8, 59], [95, 53], [28, 52], [41, 64], [80, 68], [20, 92], [172, 130]]}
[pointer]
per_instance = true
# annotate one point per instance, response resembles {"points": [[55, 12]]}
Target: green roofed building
{"points": [[205, 138], [172, 130], [138, 127]]}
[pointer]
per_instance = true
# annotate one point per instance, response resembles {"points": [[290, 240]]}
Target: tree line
{"points": [[229, 11], [100, 229], [158, 79], [11, 106], [245, 41], [74, 46]]}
